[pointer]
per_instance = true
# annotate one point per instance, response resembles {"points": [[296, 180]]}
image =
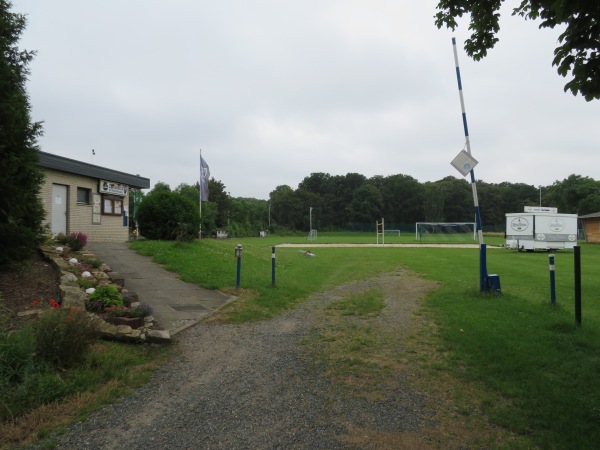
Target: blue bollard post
{"points": [[238, 254], [577, 255], [552, 281], [273, 266]]}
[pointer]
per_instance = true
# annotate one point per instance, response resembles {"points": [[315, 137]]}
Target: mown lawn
{"points": [[515, 346]]}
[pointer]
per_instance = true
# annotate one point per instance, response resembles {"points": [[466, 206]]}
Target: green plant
{"points": [[167, 215], [63, 336], [122, 311], [93, 262], [86, 283], [102, 298], [61, 238]]}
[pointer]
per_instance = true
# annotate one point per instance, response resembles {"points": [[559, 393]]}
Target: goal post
{"points": [[449, 231]]}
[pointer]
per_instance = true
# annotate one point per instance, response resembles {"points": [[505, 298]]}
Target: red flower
{"points": [[69, 318], [35, 303], [73, 310]]}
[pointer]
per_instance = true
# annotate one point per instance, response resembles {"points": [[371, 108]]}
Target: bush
{"points": [[102, 298], [86, 283], [61, 238], [166, 215], [122, 311], [63, 336], [76, 241], [93, 262]]}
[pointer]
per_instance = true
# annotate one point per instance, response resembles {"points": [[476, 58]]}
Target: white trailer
{"points": [[541, 228]]}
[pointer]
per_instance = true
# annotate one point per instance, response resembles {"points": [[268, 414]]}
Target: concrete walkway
{"points": [[176, 305]]}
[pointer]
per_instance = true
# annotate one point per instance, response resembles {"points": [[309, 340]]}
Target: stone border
{"points": [[73, 296]]}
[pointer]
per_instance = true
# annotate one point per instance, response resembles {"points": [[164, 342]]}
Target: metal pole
{"points": [[482, 253], [200, 192], [239, 265], [273, 266], [552, 281], [577, 250]]}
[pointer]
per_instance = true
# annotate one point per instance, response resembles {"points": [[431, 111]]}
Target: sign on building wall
{"points": [[96, 209], [110, 187]]}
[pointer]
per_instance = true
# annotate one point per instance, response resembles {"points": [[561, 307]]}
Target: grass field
{"points": [[539, 368], [390, 238]]}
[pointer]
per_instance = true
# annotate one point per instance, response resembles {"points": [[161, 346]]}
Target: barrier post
{"points": [[577, 271], [552, 281], [273, 266], [238, 254]]}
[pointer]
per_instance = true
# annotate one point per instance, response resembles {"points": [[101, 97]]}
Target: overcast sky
{"points": [[274, 90]]}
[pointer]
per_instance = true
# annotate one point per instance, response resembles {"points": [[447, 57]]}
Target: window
{"points": [[112, 206], [83, 196]]}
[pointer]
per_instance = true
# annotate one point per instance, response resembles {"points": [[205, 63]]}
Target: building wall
{"points": [[79, 217], [592, 229]]}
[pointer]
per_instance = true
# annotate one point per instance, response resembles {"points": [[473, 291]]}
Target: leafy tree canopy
{"points": [[579, 49]]}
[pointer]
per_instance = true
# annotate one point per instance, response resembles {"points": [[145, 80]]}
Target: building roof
{"points": [[590, 216], [63, 164]]}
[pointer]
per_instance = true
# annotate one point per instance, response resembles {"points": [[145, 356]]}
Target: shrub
{"points": [[166, 215], [86, 283], [140, 311], [93, 262], [63, 336], [76, 241], [102, 298], [61, 238], [122, 311]]}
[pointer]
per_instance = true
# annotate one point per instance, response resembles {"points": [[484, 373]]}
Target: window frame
{"points": [[111, 204], [88, 193]]}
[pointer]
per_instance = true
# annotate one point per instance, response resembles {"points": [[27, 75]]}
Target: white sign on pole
{"points": [[464, 163]]}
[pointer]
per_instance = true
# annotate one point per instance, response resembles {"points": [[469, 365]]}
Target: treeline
{"points": [[353, 201]]}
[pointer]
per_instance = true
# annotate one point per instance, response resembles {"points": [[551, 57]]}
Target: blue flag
{"points": [[204, 176]]}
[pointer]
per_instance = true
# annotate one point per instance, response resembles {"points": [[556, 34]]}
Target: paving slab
{"points": [[176, 304]]}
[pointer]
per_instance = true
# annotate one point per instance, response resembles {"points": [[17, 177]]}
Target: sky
{"points": [[271, 91]]}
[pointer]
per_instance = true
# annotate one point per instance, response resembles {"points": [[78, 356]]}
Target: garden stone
{"points": [[68, 278], [100, 275], [73, 261], [158, 336], [90, 290], [116, 278], [86, 274]]}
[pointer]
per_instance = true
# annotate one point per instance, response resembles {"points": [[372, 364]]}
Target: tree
{"points": [[21, 209], [366, 204], [168, 215], [580, 49]]}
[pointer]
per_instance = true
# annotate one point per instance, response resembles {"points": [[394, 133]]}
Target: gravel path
{"points": [[253, 386]]}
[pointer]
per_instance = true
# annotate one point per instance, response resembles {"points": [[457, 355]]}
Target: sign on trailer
{"points": [[541, 230]]}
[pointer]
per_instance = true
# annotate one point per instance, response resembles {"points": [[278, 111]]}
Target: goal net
{"points": [[446, 232]]}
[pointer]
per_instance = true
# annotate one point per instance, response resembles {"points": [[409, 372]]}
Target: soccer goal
{"points": [[312, 235], [445, 231]]}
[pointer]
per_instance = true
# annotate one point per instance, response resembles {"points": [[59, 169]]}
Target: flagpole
{"points": [[200, 191]]}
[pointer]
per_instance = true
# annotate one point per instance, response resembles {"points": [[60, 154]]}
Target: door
{"points": [[59, 209]]}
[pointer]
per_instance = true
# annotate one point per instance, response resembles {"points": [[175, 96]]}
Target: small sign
{"points": [[464, 162], [546, 209], [110, 187], [96, 209]]}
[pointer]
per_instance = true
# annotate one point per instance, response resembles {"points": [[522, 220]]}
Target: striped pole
{"points": [[468, 143], [552, 280], [483, 285]]}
